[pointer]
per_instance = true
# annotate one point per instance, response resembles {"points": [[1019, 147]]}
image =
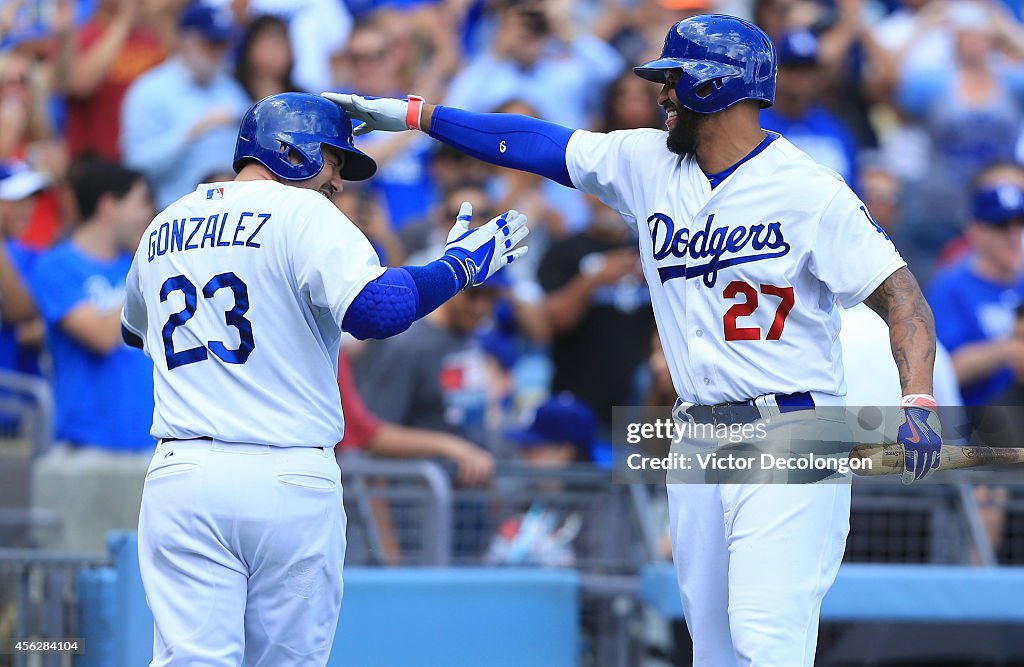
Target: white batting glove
{"points": [[477, 254], [380, 113]]}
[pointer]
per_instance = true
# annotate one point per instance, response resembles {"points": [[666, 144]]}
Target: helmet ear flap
{"points": [[303, 165], [703, 92], [708, 89]]}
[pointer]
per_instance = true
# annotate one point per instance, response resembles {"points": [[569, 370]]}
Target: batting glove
{"points": [[921, 436], [380, 113], [477, 254]]}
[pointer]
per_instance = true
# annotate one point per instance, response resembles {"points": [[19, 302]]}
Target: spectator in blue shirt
{"points": [[103, 390], [797, 113], [180, 119], [974, 300]]}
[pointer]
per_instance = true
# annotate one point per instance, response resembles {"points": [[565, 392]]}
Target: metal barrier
{"points": [[26, 401], [998, 499], [39, 600], [611, 618], [571, 516], [566, 517], [938, 523], [399, 511], [26, 432], [406, 512]]}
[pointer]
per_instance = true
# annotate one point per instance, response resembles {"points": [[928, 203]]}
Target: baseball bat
{"points": [[888, 459]]}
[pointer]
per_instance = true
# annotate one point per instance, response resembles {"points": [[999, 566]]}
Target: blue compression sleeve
{"points": [[507, 140], [398, 297], [436, 282]]}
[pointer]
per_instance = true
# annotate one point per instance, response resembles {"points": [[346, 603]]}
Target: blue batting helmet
{"points": [[299, 124], [724, 59]]}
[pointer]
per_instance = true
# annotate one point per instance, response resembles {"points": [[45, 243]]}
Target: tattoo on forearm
{"points": [[901, 304]]}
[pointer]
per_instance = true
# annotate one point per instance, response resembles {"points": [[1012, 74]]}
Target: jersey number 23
{"points": [[233, 318]]}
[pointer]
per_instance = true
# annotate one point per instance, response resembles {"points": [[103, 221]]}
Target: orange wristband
{"points": [[412, 114], [918, 401]]}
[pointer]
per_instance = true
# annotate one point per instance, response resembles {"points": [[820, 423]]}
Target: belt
{"points": [[745, 412], [163, 440]]}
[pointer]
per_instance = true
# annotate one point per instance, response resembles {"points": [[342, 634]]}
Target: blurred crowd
{"points": [[112, 109]]}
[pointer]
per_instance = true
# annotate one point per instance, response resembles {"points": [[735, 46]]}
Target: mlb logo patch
{"points": [[215, 193]]}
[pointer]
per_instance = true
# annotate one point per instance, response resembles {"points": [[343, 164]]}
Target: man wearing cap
{"points": [[562, 431], [179, 120], [974, 300], [797, 114]]}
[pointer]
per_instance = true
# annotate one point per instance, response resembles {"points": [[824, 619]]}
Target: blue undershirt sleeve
{"points": [[130, 339], [389, 304], [507, 140]]}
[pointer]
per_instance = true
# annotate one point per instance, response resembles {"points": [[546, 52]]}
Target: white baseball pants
{"points": [[754, 561], [241, 549]]}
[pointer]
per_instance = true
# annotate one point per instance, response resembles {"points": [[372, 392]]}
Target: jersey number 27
{"points": [[234, 318], [737, 289]]}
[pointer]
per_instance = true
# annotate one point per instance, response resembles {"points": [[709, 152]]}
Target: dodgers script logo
{"points": [[722, 247]]}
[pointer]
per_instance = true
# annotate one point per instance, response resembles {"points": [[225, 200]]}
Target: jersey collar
{"points": [[716, 179]]}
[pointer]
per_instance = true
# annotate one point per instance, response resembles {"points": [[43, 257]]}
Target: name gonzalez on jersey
{"points": [[180, 235], [722, 245]]}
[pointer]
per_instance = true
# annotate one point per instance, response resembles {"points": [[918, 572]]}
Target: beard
{"points": [[682, 138]]}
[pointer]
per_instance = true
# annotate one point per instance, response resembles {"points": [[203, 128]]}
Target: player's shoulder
{"points": [[798, 170], [247, 194], [642, 136]]}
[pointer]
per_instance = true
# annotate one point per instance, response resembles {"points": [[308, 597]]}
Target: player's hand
{"points": [[477, 254], [377, 113], [921, 436]]}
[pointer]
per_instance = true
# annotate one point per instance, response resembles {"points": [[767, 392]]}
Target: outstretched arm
{"points": [[507, 140]]}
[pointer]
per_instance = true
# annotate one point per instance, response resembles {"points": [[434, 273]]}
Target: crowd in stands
{"points": [[112, 109]]}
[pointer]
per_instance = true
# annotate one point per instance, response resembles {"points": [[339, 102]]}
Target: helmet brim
{"points": [[700, 70], [358, 165], [656, 70]]}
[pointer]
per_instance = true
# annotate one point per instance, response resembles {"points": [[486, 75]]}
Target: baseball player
{"points": [[746, 245], [239, 292]]}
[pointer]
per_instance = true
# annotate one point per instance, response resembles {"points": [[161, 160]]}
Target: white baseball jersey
{"points": [[238, 291], [743, 277]]}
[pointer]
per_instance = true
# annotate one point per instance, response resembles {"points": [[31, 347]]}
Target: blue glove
{"points": [[921, 437], [477, 254]]}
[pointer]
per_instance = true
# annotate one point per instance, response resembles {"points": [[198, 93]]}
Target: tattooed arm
{"points": [[901, 304]]}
